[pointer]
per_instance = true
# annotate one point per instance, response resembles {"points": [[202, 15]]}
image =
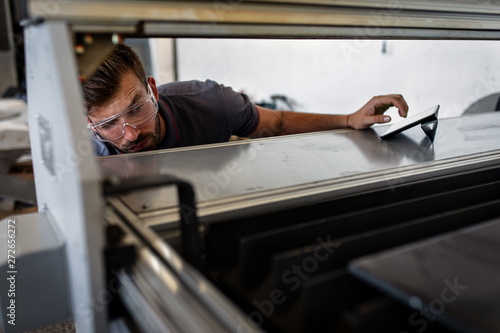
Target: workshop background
{"points": [[338, 76]]}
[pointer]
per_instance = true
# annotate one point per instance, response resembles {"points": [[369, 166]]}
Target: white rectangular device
{"points": [[423, 117]]}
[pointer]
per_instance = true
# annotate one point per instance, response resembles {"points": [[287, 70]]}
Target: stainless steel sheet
{"points": [[255, 173]]}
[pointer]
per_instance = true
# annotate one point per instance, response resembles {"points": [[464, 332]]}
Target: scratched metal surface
{"points": [[254, 169]]}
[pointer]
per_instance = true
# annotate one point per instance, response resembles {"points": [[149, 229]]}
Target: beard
{"points": [[153, 137]]}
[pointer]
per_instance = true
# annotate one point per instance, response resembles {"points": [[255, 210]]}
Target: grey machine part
{"points": [[36, 250], [433, 276], [68, 178]]}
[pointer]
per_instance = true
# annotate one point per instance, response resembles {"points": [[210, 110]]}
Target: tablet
{"points": [[419, 118]]}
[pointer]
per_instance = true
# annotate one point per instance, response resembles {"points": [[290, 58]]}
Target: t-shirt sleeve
{"points": [[242, 114]]}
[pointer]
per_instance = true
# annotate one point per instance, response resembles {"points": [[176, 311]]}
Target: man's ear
{"points": [[152, 83]]}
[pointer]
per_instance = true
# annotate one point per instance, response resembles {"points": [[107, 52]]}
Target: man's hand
{"points": [[373, 111]]}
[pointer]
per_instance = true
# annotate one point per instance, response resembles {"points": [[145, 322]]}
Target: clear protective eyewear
{"points": [[138, 114]]}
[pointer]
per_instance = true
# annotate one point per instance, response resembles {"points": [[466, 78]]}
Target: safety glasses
{"points": [[138, 114]]}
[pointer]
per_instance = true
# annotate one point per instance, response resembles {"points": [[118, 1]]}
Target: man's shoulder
{"points": [[187, 87], [102, 149]]}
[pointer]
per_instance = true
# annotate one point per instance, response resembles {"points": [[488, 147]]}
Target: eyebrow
{"points": [[134, 101]]}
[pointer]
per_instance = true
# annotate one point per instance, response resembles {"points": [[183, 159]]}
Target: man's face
{"points": [[141, 138]]}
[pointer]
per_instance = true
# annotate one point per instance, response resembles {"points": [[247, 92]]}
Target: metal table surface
{"points": [[244, 177]]}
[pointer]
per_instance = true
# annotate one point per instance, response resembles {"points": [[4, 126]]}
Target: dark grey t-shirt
{"points": [[197, 113]]}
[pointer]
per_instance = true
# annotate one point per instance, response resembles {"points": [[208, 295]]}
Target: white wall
{"points": [[163, 60], [339, 76]]}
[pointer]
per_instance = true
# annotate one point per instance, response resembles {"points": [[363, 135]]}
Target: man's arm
{"points": [[274, 122]]}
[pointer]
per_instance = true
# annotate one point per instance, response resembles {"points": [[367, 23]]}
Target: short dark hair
{"points": [[102, 85]]}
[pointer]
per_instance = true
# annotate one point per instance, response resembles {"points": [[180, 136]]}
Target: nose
{"points": [[130, 132]]}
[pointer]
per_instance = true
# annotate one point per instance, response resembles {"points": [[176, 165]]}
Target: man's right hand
{"points": [[373, 111]]}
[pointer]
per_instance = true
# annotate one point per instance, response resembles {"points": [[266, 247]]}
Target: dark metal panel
{"points": [[4, 32]]}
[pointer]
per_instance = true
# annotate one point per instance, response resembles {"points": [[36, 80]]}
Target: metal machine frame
{"points": [[66, 176], [69, 191]]}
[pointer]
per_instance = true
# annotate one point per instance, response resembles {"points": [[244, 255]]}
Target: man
{"points": [[127, 112]]}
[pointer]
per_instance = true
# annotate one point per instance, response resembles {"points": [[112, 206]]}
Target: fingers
{"points": [[401, 104], [380, 119], [392, 100], [373, 111], [367, 121]]}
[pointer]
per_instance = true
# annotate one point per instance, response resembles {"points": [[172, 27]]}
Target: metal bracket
{"points": [[430, 127], [191, 244]]}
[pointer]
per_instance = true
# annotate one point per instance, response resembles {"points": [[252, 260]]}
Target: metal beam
{"points": [[333, 19], [66, 179]]}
